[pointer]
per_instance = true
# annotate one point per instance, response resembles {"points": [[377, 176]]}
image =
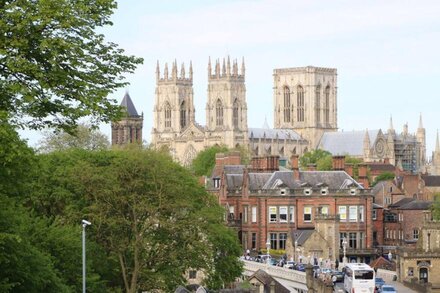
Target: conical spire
{"points": [[243, 69], [265, 124], [228, 67], [235, 68], [190, 70], [420, 122], [165, 71], [391, 123], [174, 70], [127, 103], [224, 68], [437, 145], [367, 139], [217, 68], [182, 71], [157, 71]]}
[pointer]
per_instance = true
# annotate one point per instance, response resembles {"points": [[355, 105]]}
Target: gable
{"points": [[192, 131]]}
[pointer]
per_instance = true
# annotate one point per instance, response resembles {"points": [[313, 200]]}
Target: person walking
{"points": [[334, 278]]}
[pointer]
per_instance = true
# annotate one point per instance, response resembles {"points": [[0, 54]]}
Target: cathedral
{"points": [[305, 118]]}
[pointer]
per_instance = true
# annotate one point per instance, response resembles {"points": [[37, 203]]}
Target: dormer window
{"points": [[307, 191], [283, 191], [216, 182], [324, 190], [353, 191]]}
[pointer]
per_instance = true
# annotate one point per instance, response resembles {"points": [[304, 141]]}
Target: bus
{"points": [[359, 278]]}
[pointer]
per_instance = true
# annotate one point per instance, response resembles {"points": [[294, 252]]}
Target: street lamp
{"points": [[296, 250], [84, 225], [344, 249], [268, 248]]}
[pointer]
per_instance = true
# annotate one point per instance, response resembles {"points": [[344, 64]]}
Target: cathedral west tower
{"points": [[305, 100], [226, 108]]}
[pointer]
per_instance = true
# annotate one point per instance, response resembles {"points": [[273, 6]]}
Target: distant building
{"points": [[129, 128]]}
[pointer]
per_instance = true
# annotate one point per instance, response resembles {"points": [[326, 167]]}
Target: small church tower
{"points": [[226, 108], [129, 128]]}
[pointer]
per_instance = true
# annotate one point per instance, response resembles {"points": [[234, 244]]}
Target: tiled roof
{"points": [[401, 202], [301, 235], [347, 142], [273, 133], [128, 104], [381, 167], [416, 205], [431, 180]]}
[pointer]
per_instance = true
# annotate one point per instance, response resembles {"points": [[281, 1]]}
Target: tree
{"points": [[54, 67], [312, 157], [84, 137], [204, 162], [435, 208], [148, 212], [385, 176]]}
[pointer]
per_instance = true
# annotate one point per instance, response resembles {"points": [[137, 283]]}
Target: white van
{"points": [[359, 278]]}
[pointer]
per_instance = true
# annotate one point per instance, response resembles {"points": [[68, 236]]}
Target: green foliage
{"points": [[325, 163], [385, 176], [204, 162], [54, 67], [84, 137], [148, 213], [435, 208], [313, 157]]}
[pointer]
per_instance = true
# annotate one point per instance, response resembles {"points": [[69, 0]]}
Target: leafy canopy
{"points": [[54, 67], [385, 176], [314, 157], [204, 162]]}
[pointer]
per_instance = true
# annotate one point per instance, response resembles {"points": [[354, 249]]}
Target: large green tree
{"points": [[149, 213], [204, 162], [54, 66], [313, 157]]}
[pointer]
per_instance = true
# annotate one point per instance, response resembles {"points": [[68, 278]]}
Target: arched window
{"points": [[167, 115], [235, 114], [286, 93], [300, 103], [318, 104], [219, 113], [182, 115], [327, 105]]}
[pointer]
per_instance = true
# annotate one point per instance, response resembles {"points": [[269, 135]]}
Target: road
{"points": [[399, 286]]}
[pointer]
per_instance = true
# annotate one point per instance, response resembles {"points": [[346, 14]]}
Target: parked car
{"points": [[339, 275], [300, 267], [388, 289], [379, 282], [289, 265], [273, 261]]}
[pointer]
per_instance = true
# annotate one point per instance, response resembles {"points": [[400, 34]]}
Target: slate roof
{"points": [[268, 133], [301, 235], [347, 142], [431, 180], [417, 205], [381, 167], [128, 104], [401, 202], [267, 279]]}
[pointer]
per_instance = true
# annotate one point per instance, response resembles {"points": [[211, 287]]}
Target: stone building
{"points": [[405, 150], [435, 161], [265, 203], [129, 128], [226, 111]]}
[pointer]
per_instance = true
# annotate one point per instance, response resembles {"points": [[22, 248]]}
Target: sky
{"points": [[387, 54]]}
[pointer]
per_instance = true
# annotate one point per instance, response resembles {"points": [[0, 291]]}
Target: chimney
{"points": [[219, 160], [295, 168], [349, 169], [232, 158], [363, 178], [338, 163], [265, 164]]}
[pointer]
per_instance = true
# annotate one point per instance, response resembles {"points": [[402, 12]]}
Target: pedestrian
{"points": [[334, 280]]}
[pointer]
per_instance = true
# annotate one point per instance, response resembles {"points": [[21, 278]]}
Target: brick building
{"points": [[265, 203]]}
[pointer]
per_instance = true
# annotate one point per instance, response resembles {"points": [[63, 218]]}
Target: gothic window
{"points": [[286, 93], [318, 104], [235, 114], [167, 115], [219, 113], [182, 115], [327, 105], [300, 103]]}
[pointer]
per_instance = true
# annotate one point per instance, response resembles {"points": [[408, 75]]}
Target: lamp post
{"points": [[344, 249], [84, 225], [268, 248], [296, 250]]}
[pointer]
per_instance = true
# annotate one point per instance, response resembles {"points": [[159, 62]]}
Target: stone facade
{"points": [[226, 112], [306, 101], [129, 128]]}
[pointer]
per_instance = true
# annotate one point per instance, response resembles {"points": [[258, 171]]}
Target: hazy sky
{"points": [[387, 53]]}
